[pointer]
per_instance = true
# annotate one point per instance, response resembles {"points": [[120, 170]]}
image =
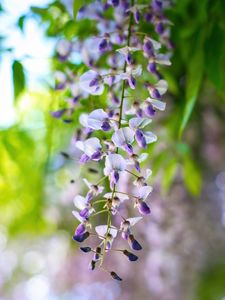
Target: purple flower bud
{"points": [[84, 213], [152, 68], [60, 86], [97, 254], [80, 229], [115, 276], [125, 234], [149, 110], [139, 112], [159, 28], [105, 126], [128, 58], [143, 208], [155, 93], [85, 249], [131, 256], [89, 196], [156, 5], [115, 176], [94, 82], [128, 148], [148, 48], [115, 2], [140, 138], [82, 237], [58, 113], [137, 16], [92, 265], [134, 243], [132, 82], [84, 158], [137, 166], [148, 17], [103, 44], [96, 155], [115, 99]]}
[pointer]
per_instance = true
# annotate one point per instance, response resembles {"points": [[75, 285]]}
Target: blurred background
{"points": [[184, 239]]}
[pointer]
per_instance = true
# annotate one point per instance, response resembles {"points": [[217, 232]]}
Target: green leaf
{"points": [[20, 22], [192, 177], [77, 4], [169, 174], [19, 80], [194, 80]]}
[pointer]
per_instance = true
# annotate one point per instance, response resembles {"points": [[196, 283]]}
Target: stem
{"points": [[100, 180], [98, 212], [126, 194], [119, 125], [99, 201], [125, 68], [131, 173]]}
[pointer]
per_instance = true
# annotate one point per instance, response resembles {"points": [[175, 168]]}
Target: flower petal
{"points": [[80, 202], [86, 79], [102, 230], [134, 220], [139, 122], [160, 105], [96, 118], [122, 136], [150, 137]]}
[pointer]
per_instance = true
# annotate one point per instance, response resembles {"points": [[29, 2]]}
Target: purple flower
{"points": [[82, 237], [123, 138], [143, 208], [126, 225], [103, 44], [114, 163], [115, 276], [142, 137], [94, 190], [98, 119], [80, 230], [131, 256], [85, 249], [133, 243], [109, 234], [58, 113], [91, 83], [91, 148]]}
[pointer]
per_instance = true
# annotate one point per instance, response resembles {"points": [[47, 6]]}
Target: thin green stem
{"points": [[126, 194], [99, 212], [132, 173], [119, 125]]}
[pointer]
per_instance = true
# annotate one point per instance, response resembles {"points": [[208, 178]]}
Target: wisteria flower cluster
{"points": [[116, 136]]}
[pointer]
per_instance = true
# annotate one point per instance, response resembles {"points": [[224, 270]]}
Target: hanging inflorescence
{"points": [[133, 58]]}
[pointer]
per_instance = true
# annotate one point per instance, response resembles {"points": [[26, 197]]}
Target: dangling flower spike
{"points": [[114, 136]]}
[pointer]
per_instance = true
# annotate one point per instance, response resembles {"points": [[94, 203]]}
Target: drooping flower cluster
{"points": [[132, 60]]}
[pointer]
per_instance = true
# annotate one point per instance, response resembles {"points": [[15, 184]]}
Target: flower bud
{"points": [[85, 249], [82, 237], [115, 276], [133, 243], [92, 265], [131, 256]]}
